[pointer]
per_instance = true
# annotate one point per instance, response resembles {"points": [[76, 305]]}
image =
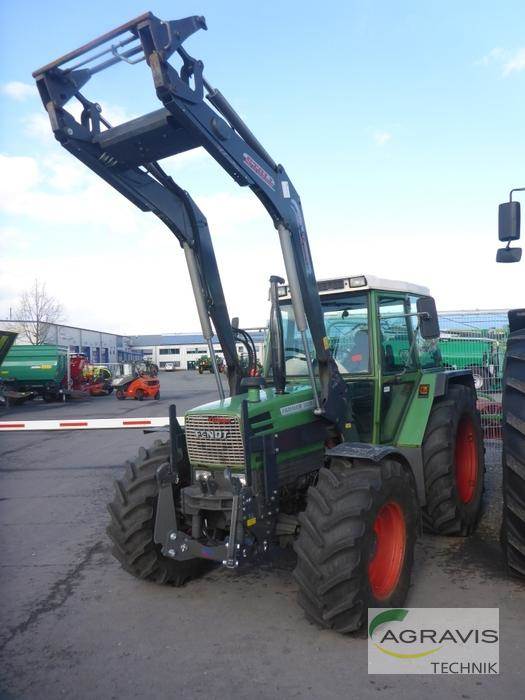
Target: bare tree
{"points": [[35, 312]]}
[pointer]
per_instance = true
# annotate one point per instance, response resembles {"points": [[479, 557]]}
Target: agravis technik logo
{"points": [[433, 640]]}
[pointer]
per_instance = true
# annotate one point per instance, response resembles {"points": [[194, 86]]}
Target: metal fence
{"points": [[476, 340]]}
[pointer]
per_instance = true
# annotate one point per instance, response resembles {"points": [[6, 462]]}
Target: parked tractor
{"points": [[513, 425], [204, 364], [344, 446]]}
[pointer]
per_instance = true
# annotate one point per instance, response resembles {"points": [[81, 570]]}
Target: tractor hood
{"points": [[277, 411]]}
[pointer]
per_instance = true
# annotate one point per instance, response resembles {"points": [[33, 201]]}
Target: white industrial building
{"points": [[184, 349], [98, 346]]}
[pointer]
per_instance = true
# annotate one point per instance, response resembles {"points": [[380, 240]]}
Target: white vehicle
{"points": [[169, 367]]}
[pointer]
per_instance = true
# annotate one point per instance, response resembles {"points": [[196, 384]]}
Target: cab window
{"points": [[346, 322], [397, 351]]}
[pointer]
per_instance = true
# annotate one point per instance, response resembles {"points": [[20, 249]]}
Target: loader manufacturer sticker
{"points": [[433, 641], [297, 407], [259, 170]]}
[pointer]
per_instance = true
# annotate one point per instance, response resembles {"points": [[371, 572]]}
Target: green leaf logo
{"points": [[393, 615]]}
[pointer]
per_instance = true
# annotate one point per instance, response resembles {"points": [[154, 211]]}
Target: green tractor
{"points": [[354, 435], [260, 469], [204, 364]]}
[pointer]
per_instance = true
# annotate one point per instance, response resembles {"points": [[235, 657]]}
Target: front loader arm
{"points": [[126, 155]]}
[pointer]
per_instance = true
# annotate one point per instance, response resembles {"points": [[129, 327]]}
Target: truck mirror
{"points": [[508, 255], [428, 318], [509, 223]]}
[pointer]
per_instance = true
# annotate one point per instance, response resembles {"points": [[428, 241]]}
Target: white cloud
{"points": [[509, 61], [493, 55], [60, 191], [63, 218], [382, 137], [19, 91], [515, 62], [37, 126]]}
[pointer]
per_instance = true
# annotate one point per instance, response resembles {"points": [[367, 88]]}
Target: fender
{"points": [[452, 376], [411, 457]]}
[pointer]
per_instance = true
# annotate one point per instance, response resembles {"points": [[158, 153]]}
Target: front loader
{"points": [[353, 437]]}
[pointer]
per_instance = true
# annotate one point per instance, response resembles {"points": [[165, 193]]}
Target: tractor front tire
{"points": [[513, 525], [132, 523], [355, 548], [120, 395], [453, 463]]}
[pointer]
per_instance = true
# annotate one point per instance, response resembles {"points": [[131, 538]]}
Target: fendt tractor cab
{"points": [[355, 433]]}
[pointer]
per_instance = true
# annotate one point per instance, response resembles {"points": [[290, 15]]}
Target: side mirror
{"points": [[508, 255], [428, 318], [509, 222]]}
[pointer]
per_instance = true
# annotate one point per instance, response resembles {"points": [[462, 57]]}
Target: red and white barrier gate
{"points": [[86, 424]]}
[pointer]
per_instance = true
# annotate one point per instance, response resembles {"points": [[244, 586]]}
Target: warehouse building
{"points": [[98, 346], [182, 350]]}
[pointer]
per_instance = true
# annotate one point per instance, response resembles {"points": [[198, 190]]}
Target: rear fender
{"points": [[453, 376]]}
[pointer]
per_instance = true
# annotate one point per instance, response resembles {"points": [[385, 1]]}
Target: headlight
{"points": [[206, 474]]}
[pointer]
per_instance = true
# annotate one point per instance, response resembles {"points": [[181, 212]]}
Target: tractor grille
{"points": [[214, 440]]}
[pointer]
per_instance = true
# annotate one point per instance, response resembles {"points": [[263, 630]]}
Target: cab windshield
{"points": [[346, 322]]}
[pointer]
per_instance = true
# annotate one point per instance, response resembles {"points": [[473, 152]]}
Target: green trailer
{"points": [[483, 356], [7, 339], [480, 355], [36, 369]]}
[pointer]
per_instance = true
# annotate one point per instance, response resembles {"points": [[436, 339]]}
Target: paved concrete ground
{"points": [[73, 624]]}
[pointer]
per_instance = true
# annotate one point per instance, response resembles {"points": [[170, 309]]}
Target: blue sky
{"points": [[400, 124]]}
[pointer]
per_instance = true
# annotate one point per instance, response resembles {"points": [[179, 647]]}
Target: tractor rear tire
{"points": [[139, 394], [132, 523], [513, 433], [454, 464], [356, 543]]}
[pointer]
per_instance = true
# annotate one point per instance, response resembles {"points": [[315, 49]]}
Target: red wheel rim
{"points": [[384, 568], [466, 458]]}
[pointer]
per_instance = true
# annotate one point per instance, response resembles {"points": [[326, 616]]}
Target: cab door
{"points": [[398, 363]]}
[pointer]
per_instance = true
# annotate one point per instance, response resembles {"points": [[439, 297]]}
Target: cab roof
{"points": [[358, 283]]}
